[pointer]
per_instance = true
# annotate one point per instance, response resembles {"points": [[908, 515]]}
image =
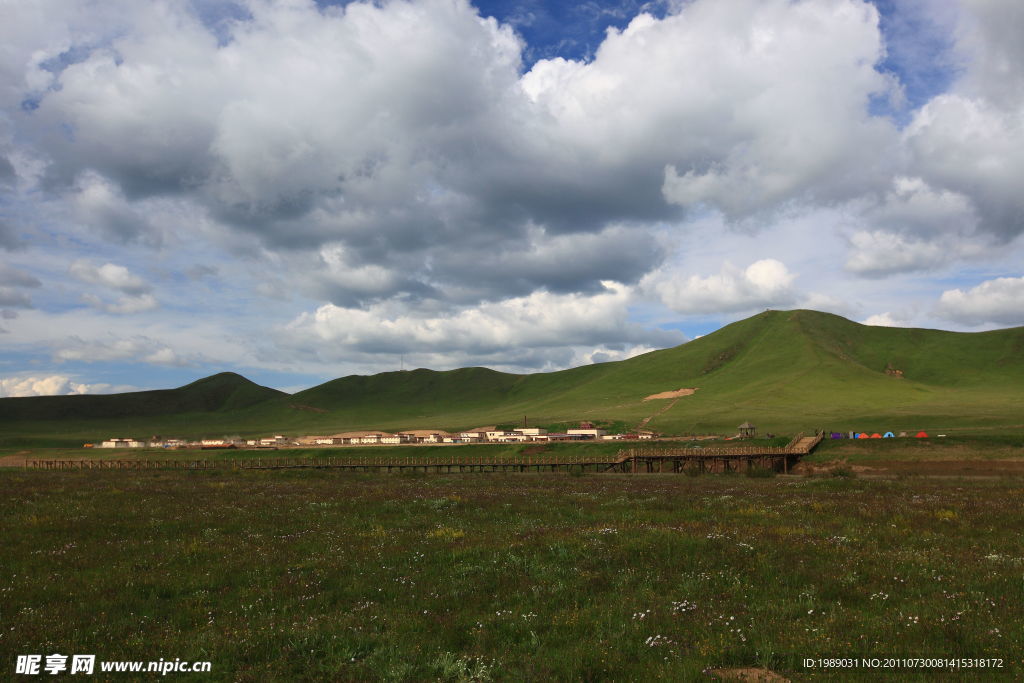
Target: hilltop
{"points": [[784, 370], [215, 402]]}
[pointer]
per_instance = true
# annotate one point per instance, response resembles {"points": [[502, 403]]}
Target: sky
{"points": [[299, 190]]}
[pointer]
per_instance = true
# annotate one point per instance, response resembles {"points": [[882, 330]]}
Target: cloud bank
{"points": [[327, 185]]}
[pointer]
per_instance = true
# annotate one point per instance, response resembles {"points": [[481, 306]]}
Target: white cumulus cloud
{"points": [[135, 348], [999, 301], [53, 385], [882, 320], [763, 284], [109, 275], [124, 304], [531, 331]]}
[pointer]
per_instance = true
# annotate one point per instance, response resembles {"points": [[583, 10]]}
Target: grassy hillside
{"points": [[783, 370], [209, 404], [222, 392]]}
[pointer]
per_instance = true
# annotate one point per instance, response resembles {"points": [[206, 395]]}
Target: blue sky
{"points": [[300, 190]]}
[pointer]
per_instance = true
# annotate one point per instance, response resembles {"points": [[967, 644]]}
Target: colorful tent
{"points": [[921, 435], [888, 435], [876, 435], [863, 435], [837, 435]]}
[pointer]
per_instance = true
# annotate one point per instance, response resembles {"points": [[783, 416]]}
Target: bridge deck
{"points": [[633, 459]]}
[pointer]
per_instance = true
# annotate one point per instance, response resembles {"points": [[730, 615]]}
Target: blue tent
{"points": [[888, 435]]}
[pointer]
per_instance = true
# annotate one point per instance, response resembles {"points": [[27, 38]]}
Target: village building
{"points": [[585, 433], [123, 443]]}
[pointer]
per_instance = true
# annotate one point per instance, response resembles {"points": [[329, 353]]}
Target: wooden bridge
{"points": [[632, 460], [728, 459]]}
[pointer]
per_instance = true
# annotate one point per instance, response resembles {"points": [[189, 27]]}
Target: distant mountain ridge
{"points": [[780, 369], [225, 391]]}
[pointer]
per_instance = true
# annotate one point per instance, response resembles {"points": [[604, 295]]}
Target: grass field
{"points": [[786, 371], [313, 575]]}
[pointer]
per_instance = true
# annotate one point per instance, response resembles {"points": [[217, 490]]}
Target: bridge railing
{"points": [[345, 461], [796, 446]]}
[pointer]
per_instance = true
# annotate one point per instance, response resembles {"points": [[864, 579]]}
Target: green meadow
{"points": [[878, 548], [786, 371], [315, 575]]}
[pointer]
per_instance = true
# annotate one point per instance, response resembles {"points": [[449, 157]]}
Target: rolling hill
{"points": [[783, 370], [223, 392]]}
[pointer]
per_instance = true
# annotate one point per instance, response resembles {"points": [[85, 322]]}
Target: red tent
{"points": [[863, 435], [921, 435], [876, 435]]}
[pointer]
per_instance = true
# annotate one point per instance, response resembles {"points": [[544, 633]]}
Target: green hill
{"points": [[783, 370], [218, 399]]}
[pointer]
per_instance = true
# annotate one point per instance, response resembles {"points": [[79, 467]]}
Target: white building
{"points": [[510, 437], [122, 443], [586, 433], [531, 431]]}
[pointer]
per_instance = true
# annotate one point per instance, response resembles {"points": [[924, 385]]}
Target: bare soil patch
{"points": [[310, 409], [678, 393], [16, 460]]}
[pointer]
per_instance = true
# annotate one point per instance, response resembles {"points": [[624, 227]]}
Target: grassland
{"points": [[786, 371], [314, 575]]}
